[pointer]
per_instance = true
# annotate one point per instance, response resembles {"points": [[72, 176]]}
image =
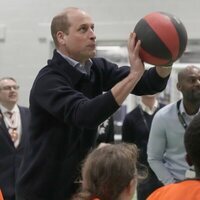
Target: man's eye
{"points": [[193, 80], [83, 29]]}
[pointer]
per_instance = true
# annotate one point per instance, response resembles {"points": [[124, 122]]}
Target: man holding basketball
{"points": [[67, 104]]}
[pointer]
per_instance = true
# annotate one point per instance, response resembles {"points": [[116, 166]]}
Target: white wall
{"points": [[25, 36]]}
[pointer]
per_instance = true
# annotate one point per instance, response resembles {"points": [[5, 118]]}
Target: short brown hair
{"points": [[59, 23], [107, 171]]}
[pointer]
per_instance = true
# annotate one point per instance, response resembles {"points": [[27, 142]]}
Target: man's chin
{"points": [[196, 98], [92, 54], [13, 101], [88, 55]]}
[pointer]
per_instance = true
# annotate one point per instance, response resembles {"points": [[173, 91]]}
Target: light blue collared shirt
{"points": [[82, 68], [165, 149]]}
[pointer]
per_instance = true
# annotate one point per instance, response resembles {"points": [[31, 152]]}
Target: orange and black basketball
{"points": [[163, 38]]}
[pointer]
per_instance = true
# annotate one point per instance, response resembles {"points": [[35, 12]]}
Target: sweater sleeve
{"points": [[70, 105], [150, 83]]}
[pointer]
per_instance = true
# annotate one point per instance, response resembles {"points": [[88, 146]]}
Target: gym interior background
{"points": [[26, 43]]}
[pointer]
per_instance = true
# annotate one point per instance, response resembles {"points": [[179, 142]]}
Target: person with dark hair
{"points": [[135, 129], [165, 149], [69, 99], [14, 122], [109, 172], [189, 188]]}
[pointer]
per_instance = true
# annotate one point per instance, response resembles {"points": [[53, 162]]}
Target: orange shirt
{"points": [[1, 196], [185, 190]]}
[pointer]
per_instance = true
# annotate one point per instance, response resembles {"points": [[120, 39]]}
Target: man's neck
{"points": [[8, 106], [149, 103], [191, 108], [79, 60]]}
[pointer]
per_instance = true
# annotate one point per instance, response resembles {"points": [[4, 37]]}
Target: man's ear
{"points": [[131, 186], [60, 37], [178, 86], [188, 160]]}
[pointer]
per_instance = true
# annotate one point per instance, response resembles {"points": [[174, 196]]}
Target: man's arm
{"points": [[156, 149], [130, 83], [123, 88]]}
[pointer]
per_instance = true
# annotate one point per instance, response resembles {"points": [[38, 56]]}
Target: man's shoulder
{"points": [[168, 108], [135, 110], [55, 67], [25, 108], [166, 111], [133, 115]]}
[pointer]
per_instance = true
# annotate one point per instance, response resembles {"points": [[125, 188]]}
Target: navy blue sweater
{"points": [[66, 108]]}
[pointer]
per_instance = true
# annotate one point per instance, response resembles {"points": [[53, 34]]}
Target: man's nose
{"points": [[197, 83], [92, 34]]}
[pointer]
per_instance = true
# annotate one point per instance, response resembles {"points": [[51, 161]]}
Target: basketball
{"points": [[163, 38]]}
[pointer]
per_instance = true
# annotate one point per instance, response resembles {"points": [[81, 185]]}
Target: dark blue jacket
{"points": [[10, 157], [66, 108], [136, 129]]}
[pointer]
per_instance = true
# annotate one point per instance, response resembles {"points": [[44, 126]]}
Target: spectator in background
{"points": [[188, 189], [135, 129], [67, 105], [166, 151], [14, 121], [109, 173]]}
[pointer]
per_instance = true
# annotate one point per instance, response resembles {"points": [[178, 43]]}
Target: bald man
{"points": [[166, 151], [70, 97]]}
